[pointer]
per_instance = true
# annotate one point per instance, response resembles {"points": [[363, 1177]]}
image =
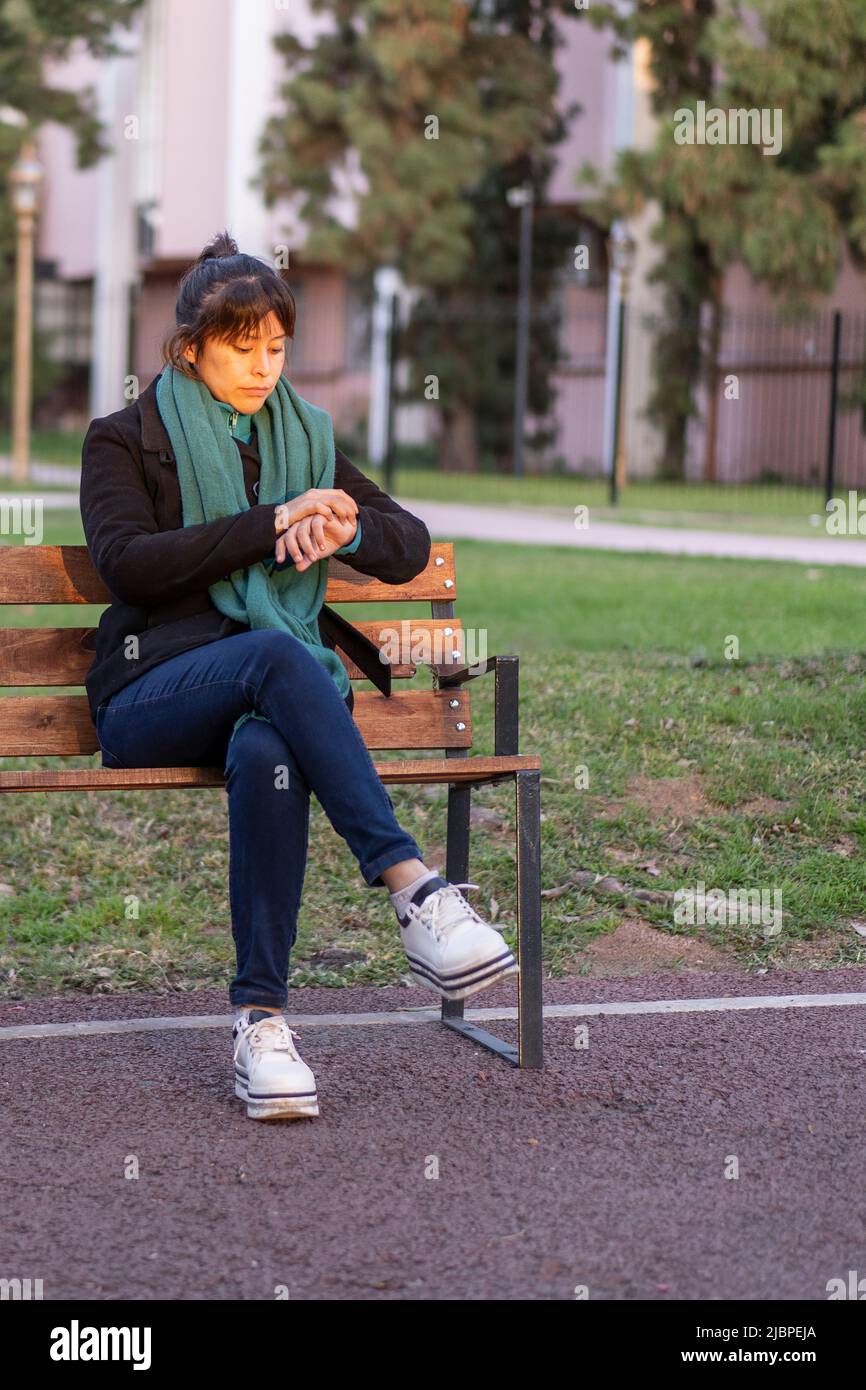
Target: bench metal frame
{"points": [[529, 1052]]}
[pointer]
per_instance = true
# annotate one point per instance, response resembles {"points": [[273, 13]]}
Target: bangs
{"points": [[235, 309]]}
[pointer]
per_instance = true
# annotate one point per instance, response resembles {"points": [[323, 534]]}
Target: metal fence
{"points": [[788, 409], [786, 405]]}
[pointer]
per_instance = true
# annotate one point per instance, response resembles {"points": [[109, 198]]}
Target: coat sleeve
{"points": [[137, 562], [395, 544], [391, 544]]}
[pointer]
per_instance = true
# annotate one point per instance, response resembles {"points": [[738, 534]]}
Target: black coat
{"points": [[158, 571]]}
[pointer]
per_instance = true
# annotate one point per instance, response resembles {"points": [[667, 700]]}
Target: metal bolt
{"points": [[456, 655], [454, 704], [447, 631], [449, 583], [440, 560], [460, 725]]}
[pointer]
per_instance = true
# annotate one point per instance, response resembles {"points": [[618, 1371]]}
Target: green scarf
{"points": [[296, 448]]}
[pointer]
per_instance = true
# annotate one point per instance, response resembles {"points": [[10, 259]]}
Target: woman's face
{"points": [[245, 372]]}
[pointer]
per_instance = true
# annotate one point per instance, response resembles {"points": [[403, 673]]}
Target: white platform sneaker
{"points": [[270, 1075], [449, 946]]}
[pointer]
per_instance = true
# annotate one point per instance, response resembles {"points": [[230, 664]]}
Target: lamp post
{"points": [[522, 197], [25, 179], [387, 283], [621, 251]]}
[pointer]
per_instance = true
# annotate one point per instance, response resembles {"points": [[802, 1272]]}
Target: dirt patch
{"points": [[684, 799], [846, 845], [636, 948], [649, 866], [626, 856], [663, 797], [810, 955]]}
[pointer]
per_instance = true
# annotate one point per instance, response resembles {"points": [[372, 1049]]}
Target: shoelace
{"points": [[445, 909], [272, 1034]]}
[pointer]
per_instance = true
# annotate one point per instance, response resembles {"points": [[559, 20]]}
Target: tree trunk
{"points": [[458, 442], [713, 341]]}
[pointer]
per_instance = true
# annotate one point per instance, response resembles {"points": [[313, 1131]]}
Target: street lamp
{"points": [[522, 197], [621, 248], [621, 253], [25, 179]]}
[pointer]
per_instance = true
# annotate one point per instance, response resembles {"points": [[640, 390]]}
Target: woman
{"points": [[212, 651]]}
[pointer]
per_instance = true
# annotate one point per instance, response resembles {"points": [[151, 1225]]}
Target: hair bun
{"points": [[223, 244]]}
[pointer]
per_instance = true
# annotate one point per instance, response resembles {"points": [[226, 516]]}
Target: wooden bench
{"points": [[438, 719]]}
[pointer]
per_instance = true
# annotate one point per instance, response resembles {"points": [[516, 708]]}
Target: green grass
{"points": [[49, 446], [623, 672], [568, 491], [652, 501]]}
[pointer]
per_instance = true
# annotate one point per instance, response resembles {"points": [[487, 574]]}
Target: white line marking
{"points": [[731, 1003]]}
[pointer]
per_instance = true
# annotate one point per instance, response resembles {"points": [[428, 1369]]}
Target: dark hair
{"points": [[225, 294]]}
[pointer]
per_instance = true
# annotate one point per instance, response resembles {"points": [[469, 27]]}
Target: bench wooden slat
{"points": [[60, 725], [66, 574], [60, 656], [410, 770]]}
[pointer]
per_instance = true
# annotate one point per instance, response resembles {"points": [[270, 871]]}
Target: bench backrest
{"points": [[51, 725]]}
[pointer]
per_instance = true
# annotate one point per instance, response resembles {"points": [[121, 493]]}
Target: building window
{"points": [[359, 322], [146, 217], [64, 314], [295, 356]]}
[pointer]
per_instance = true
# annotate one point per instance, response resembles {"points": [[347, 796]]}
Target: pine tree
{"points": [[428, 110], [682, 73], [783, 216], [467, 334]]}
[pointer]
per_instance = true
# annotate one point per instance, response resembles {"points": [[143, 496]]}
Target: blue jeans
{"points": [[301, 737]]}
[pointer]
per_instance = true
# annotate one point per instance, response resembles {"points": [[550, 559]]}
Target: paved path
{"points": [[549, 526], [606, 1169], [43, 472], [538, 527], [51, 473]]}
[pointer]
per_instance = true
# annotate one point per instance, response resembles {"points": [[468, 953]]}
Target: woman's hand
{"points": [[316, 501], [314, 538]]}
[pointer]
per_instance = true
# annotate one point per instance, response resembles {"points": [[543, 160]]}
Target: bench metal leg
{"points": [[530, 1019], [457, 861], [529, 1050]]}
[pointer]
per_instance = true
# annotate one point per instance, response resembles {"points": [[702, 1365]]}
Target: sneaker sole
{"points": [[277, 1107], [423, 975]]}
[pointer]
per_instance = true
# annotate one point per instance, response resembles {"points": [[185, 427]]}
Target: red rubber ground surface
{"points": [[606, 1169]]}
